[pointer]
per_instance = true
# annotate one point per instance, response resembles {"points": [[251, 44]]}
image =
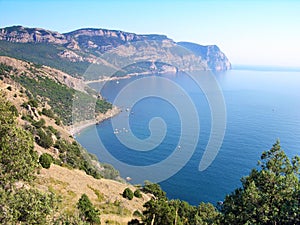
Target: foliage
{"points": [[127, 193], [134, 222], [73, 155], [60, 98], [269, 195], [46, 160], [5, 69], [26, 206], [18, 160], [137, 213], [48, 112], [87, 210], [39, 124], [137, 193], [43, 54], [154, 189], [45, 138]]}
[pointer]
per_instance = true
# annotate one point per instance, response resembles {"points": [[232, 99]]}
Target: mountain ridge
{"points": [[87, 45]]}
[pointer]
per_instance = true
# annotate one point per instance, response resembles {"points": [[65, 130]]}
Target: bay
{"points": [[261, 106]]}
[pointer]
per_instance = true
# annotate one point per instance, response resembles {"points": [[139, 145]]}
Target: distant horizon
{"points": [[248, 32]]}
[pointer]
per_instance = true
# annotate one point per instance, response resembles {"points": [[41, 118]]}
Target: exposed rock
{"points": [[89, 44], [211, 54], [70, 55], [25, 35]]}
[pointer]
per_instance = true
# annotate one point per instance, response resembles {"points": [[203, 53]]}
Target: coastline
{"points": [[78, 127]]}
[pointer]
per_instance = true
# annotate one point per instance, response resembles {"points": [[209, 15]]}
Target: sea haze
{"points": [[261, 107]]}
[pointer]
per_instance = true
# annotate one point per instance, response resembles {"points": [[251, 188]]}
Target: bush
{"points": [[137, 213], [46, 160], [39, 124], [137, 193], [87, 210], [154, 189], [127, 193], [45, 140], [33, 103]]}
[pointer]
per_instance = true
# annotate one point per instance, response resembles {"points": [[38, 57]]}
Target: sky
{"points": [[248, 32]]}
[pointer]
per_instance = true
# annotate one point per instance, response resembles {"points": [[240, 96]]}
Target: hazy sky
{"points": [[248, 32]]}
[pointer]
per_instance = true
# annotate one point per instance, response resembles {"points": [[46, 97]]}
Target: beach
{"points": [[78, 127]]}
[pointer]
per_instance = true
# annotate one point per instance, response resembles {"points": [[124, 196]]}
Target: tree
{"points": [[46, 160], [87, 210], [154, 189], [206, 214], [159, 211], [45, 138], [127, 193], [269, 195], [26, 206], [18, 160], [137, 193]]}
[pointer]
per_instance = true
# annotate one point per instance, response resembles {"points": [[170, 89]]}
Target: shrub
{"points": [[48, 112], [87, 210], [39, 124], [46, 160], [137, 213], [127, 193], [45, 140], [33, 103], [137, 193]]}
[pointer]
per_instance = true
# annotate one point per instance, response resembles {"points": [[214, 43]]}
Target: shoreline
{"points": [[128, 76], [78, 127]]}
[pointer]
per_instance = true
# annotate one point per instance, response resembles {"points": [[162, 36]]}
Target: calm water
{"points": [[261, 107]]}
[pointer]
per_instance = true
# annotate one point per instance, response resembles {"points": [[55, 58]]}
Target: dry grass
{"points": [[105, 194]]}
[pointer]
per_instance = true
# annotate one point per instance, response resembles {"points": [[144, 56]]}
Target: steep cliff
{"points": [[110, 50], [211, 54]]}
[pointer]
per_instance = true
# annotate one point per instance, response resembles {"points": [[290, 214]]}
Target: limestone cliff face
{"points": [[89, 44], [211, 54], [25, 35]]}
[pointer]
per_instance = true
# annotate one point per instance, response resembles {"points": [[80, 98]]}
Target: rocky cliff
{"points": [[112, 49], [211, 54]]}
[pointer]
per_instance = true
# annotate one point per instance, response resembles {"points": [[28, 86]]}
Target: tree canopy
{"points": [[269, 195]]}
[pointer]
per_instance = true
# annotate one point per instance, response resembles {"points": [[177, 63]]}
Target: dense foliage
{"points": [[160, 210], [18, 160], [60, 97], [18, 163], [270, 195]]}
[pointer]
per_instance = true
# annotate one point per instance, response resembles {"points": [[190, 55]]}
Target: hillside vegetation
{"points": [[31, 194], [42, 85]]}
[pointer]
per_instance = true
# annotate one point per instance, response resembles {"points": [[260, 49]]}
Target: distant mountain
{"points": [[108, 51], [211, 54]]}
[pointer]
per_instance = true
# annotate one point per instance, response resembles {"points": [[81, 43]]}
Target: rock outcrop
{"points": [[211, 54]]}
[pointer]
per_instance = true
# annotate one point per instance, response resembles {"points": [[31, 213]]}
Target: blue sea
{"points": [[166, 124]]}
